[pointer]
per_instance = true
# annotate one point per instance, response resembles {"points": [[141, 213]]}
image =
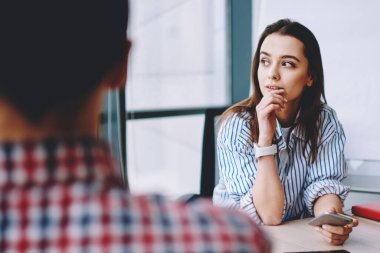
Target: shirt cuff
{"points": [[324, 187]]}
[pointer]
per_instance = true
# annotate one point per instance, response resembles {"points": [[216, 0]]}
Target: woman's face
{"points": [[283, 65]]}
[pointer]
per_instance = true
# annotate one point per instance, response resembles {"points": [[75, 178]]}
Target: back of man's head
{"points": [[54, 53]]}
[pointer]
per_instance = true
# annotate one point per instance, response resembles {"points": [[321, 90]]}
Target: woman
{"points": [[280, 151]]}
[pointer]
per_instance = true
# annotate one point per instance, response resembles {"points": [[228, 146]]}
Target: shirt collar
{"points": [[49, 161], [297, 131]]}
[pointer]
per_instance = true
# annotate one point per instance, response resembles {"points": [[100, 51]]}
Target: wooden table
{"points": [[296, 236]]}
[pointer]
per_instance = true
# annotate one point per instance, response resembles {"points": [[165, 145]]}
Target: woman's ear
{"points": [[309, 81], [116, 78]]}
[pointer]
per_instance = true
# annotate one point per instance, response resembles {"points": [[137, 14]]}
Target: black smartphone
{"points": [[323, 251], [334, 219]]}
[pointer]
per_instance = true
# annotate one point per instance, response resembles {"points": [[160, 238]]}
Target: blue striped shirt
{"points": [[302, 183]]}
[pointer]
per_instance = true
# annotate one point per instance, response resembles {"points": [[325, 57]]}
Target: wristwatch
{"points": [[264, 151]]}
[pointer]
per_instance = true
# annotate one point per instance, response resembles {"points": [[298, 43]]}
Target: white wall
{"points": [[349, 37]]}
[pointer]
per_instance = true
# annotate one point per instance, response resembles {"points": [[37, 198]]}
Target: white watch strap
{"points": [[264, 151]]}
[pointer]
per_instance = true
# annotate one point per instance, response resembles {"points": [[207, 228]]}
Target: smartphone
{"points": [[334, 219], [324, 251]]}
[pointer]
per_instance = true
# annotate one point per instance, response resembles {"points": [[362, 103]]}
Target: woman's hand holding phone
{"points": [[334, 234]]}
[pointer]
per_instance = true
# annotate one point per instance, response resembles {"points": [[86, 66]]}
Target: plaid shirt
{"points": [[67, 197]]}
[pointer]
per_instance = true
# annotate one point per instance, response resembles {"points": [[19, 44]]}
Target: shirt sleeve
{"points": [[237, 167], [330, 167]]}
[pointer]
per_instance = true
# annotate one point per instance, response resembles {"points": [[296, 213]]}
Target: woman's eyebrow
{"points": [[265, 53], [282, 57], [290, 56]]}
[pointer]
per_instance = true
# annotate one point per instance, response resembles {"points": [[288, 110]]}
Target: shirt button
{"points": [[290, 203], [288, 178]]}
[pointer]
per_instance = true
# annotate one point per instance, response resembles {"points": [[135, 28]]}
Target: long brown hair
{"points": [[310, 104]]}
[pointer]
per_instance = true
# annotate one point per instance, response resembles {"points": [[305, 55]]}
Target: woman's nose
{"points": [[273, 73]]}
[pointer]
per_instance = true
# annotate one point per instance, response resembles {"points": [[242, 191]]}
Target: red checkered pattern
{"points": [[67, 197]]}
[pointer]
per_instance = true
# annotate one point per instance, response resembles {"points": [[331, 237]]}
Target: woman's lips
{"points": [[272, 87]]}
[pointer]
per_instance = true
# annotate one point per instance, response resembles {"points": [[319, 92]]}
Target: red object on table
{"points": [[369, 210]]}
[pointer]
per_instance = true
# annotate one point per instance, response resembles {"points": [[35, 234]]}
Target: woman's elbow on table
{"points": [[271, 220]]}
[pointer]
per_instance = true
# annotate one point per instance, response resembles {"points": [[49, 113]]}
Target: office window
{"points": [[164, 155], [178, 61], [179, 54]]}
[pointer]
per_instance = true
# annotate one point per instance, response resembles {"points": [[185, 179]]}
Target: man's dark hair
{"points": [[54, 53]]}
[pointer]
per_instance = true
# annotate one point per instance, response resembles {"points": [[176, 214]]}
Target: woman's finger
{"points": [[277, 91], [335, 242], [331, 235], [332, 238], [354, 223], [341, 230], [275, 94], [270, 108], [270, 100], [270, 96]]}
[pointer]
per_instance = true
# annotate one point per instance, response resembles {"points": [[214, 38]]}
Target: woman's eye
{"points": [[288, 64], [264, 62]]}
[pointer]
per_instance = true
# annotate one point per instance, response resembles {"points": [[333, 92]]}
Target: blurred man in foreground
{"points": [[59, 187]]}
